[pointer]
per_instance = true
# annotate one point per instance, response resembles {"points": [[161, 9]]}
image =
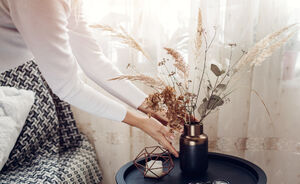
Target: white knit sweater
{"points": [[56, 36]]}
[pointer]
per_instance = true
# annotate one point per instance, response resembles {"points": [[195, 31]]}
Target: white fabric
{"points": [[15, 105], [55, 34]]}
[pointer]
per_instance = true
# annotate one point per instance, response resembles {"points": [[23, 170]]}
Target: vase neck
{"points": [[193, 129]]}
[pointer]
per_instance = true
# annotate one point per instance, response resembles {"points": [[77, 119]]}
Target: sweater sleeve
{"points": [[96, 65], [43, 26]]}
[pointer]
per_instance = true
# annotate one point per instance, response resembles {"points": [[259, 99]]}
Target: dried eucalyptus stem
{"points": [[207, 46]]}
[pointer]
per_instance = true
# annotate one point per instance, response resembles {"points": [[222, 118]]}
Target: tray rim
{"points": [[253, 168]]}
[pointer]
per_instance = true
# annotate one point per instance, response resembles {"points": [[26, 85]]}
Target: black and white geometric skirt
{"points": [[50, 148]]}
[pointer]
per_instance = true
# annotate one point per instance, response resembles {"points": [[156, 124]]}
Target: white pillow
{"points": [[15, 104]]}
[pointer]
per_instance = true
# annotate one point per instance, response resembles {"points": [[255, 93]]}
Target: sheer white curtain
{"points": [[242, 127]]}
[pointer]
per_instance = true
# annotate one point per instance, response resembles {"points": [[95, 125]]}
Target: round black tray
{"points": [[221, 167]]}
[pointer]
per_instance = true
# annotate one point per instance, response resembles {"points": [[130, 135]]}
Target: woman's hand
{"points": [[160, 133], [154, 128]]}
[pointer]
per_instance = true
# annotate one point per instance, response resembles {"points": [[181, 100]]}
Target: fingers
{"points": [[167, 133], [166, 138], [181, 130], [165, 143], [170, 136], [160, 133]]}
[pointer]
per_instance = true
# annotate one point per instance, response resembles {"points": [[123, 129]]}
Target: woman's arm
{"points": [[100, 69], [43, 26], [96, 65]]}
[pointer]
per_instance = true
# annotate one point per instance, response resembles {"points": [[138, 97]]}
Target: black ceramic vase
{"points": [[193, 153]]}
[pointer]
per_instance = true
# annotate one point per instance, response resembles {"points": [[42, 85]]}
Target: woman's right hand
{"points": [[154, 128]]}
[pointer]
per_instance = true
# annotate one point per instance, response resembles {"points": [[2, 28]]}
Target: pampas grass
{"points": [[124, 36], [198, 40], [260, 52], [269, 50], [179, 62], [263, 49], [146, 80]]}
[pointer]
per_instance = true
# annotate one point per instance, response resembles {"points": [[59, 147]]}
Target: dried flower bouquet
{"points": [[178, 93]]}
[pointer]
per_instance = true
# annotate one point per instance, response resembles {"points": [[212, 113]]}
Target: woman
{"points": [[54, 35]]}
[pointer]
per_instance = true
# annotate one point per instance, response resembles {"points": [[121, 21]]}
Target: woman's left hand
{"points": [[158, 132], [152, 127]]}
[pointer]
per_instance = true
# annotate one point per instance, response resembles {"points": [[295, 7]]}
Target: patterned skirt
{"points": [[50, 148]]}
